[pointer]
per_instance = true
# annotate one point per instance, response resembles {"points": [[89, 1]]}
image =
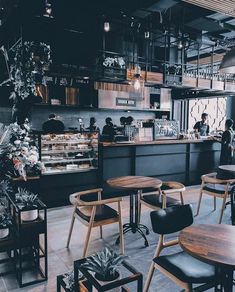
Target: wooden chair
{"points": [[180, 267], [95, 213], [158, 199], [218, 188]]}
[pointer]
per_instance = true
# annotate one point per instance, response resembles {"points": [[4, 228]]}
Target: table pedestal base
{"points": [[134, 225]]}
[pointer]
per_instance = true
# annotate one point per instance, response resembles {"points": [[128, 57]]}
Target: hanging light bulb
{"points": [[106, 26], [137, 83], [48, 10]]}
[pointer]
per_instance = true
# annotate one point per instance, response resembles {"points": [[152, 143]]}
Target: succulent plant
{"points": [[26, 198], [69, 279], [104, 263]]}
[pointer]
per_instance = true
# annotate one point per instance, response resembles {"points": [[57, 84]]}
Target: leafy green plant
{"points": [[5, 188], [104, 263], [69, 279], [26, 198], [5, 220]]}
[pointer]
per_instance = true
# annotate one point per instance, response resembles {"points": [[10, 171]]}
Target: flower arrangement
{"points": [[30, 61], [18, 154]]}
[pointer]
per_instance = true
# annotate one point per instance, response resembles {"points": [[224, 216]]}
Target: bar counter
{"points": [[179, 160], [157, 142]]}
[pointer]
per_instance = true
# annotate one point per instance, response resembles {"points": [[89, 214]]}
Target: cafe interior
{"points": [[117, 170]]}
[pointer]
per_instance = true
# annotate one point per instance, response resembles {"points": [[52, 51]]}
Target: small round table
{"points": [[230, 170], [214, 244], [136, 184]]}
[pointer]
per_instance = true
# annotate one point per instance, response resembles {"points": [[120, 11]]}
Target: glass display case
{"points": [[69, 152], [166, 129]]}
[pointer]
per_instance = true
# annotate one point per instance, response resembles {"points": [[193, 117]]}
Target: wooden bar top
{"points": [[157, 142]]}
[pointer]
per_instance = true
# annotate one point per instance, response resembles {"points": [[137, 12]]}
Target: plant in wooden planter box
{"points": [[27, 201], [104, 264], [5, 222]]}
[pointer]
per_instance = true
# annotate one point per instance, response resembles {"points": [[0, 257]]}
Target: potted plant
{"points": [[105, 265], [68, 279], [5, 189], [5, 222], [27, 201]]}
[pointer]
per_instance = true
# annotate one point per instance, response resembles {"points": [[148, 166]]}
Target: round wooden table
{"points": [[136, 184], [214, 244], [230, 170]]}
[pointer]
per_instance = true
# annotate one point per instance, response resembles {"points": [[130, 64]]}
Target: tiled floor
{"points": [[61, 258]]}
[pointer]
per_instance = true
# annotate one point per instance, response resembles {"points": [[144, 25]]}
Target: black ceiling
{"points": [[78, 24]]}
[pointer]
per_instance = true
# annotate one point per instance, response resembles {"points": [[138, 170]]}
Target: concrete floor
{"points": [[61, 259]]}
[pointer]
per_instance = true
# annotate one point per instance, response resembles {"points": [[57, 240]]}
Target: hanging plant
{"points": [[31, 60]]}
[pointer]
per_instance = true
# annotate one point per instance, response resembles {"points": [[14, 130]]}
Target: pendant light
{"points": [[228, 63], [137, 81]]}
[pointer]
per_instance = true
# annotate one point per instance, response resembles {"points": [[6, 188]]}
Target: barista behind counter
{"points": [[202, 127], [108, 130], [53, 125]]}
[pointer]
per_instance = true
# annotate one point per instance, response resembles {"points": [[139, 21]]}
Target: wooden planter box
{"points": [[204, 83], [217, 85], [154, 77], [110, 73], [229, 86], [189, 81]]}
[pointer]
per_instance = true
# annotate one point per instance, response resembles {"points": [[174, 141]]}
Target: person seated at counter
{"points": [[93, 127], [53, 125], [108, 129], [202, 127]]}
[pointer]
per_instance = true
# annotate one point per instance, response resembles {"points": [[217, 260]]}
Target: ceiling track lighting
{"points": [[106, 26]]}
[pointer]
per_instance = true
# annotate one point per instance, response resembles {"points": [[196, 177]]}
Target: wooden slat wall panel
{"points": [[222, 6]]}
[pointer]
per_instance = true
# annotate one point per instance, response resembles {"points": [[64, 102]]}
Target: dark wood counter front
{"points": [[180, 160]]}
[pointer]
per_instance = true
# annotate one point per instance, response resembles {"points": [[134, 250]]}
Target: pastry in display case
{"points": [[69, 152]]}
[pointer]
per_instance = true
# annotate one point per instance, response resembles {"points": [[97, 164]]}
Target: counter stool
{"points": [[95, 213], [157, 199], [218, 188]]}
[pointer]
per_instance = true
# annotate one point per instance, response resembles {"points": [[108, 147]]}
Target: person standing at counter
{"points": [[202, 127], [108, 129], [93, 127], [226, 154], [53, 125]]}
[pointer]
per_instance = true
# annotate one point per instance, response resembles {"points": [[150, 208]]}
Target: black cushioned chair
{"points": [[217, 188], [94, 212], [180, 267], [157, 199]]}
